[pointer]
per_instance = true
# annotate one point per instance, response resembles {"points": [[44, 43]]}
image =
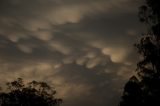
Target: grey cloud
{"points": [[84, 47], [93, 85], [99, 32]]}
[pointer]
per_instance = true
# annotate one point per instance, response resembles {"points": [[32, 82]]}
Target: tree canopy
{"points": [[31, 94], [143, 89]]}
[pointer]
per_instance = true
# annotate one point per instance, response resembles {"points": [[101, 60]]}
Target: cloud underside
{"points": [[82, 47]]}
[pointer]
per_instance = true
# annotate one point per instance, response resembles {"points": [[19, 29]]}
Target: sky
{"points": [[82, 47]]}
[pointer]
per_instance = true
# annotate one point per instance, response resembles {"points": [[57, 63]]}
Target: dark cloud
{"points": [[83, 47]]}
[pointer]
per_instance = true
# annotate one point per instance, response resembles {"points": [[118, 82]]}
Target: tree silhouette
{"points": [[32, 94], [143, 89]]}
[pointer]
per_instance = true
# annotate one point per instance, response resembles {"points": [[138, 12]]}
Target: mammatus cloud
{"points": [[83, 48]]}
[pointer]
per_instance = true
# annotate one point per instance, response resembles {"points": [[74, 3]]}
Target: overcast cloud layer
{"points": [[83, 47]]}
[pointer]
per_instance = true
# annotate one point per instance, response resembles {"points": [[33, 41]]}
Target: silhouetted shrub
{"points": [[32, 94]]}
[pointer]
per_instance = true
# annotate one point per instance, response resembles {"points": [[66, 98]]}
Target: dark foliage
{"points": [[33, 94], [144, 88]]}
